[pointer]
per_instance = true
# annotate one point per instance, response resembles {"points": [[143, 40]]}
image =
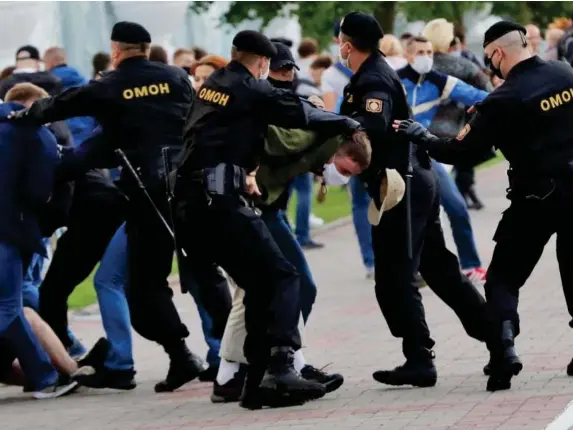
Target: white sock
{"points": [[299, 361], [227, 370]]}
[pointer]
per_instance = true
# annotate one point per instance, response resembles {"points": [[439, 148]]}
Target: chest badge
{"points": [[374, 105]]}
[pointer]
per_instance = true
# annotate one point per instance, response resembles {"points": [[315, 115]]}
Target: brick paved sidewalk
{"points": [[347, 329]]}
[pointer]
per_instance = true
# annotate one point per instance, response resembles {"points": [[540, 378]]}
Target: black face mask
{"points": [[284, 85], [495, 70]]}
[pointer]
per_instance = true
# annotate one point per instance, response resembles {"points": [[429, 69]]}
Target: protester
{"points": [[101, 62], [552, 37], [392, 48], [28, 70], [318, 67], [158, 54], [29, 154], [203, 68], [534, 38], [307, 53]]}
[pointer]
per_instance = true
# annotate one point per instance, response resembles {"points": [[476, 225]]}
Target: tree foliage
{"points": [[317, 17]]}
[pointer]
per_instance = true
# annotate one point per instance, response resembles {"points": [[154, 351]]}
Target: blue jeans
{"points": [[457, 211], [303, 186], [360, 203], [14, 327], [31, 295], [110, 282], [278, 226]]}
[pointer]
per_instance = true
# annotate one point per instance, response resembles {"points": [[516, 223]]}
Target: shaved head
{"points": [[507, 51], [513, 41], [54, 57]]}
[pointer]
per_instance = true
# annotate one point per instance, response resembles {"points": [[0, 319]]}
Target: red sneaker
{"points": [[476, 275]]}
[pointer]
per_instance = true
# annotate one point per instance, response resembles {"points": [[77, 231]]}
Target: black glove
{"points": [[416, 133]]}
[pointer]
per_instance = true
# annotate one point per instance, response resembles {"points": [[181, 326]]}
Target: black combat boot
{"points": [[504, 363], [283, 386], [183, 368], [251, 396], [331, 381], [230, 391], [418, 371]]}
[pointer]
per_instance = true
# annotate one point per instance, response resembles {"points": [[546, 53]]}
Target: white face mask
{"points": [[332, 176], [265, 74], [344, 62], [422, 64], [456, 53]]}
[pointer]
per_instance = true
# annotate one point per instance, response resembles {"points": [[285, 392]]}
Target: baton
{"points": [[167, 166], [409, 173], [126, 164]]}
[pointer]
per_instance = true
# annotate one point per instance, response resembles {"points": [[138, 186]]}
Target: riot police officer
{"points": [[141, 107], [224, 141], [528, 119], [375, 97]]}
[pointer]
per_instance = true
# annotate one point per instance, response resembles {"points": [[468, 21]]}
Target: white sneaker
{"points": [[315, 221], [64, 386]]}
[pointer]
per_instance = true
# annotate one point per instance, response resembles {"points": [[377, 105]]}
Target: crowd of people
{"points": [[198, 157]]}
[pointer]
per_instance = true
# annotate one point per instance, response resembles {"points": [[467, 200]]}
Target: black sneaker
{"points": [[209, 374], [282, 385], [331, 381], [108, 378], [230, 391], [64, 385], [181, 371], [420, 373]]}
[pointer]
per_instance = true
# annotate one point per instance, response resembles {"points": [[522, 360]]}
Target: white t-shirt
{"points": [[304, 66], [333, 80]]}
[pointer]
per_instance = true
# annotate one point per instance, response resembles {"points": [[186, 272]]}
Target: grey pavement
{"points": [[347, 330]]}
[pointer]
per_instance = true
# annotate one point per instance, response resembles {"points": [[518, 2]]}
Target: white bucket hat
{"points": [[392, 191]]}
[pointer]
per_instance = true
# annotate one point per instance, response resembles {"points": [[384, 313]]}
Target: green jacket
{"points": [[289, 153]]}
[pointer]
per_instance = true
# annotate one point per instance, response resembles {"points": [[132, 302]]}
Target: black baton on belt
{"points": [[127, 165], [167, 166], [409, 173]]}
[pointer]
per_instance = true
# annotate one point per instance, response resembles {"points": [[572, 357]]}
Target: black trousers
{"points": [[521, 236], [397, 295], [212, 288], [232, 236], [150, 256], [98, 210]]}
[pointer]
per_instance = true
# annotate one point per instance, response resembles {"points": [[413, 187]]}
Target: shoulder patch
{"points": [[463, 132], [374, 105]]}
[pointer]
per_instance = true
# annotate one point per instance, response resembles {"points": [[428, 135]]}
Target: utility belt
{"points": [[535, 187], [221, 180]]}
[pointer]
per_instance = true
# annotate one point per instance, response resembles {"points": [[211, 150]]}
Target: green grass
{"points": [[336, 206]]}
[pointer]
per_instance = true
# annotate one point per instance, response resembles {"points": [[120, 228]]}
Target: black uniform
{"points": [[225, 139], [528, 119], [142, 106], [375, 97]]}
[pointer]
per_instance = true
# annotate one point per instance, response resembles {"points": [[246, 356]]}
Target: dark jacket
{"points": [[81, 127], [28, 160], [44, 80], [451, 116]]}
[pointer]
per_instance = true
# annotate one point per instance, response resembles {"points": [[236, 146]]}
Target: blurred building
{"points": [[83, 28]]}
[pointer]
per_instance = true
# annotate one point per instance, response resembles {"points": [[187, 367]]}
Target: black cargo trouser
{"points": [[150, 250], [97, 211], [232, 236], [396, 292], [524, 230]]}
